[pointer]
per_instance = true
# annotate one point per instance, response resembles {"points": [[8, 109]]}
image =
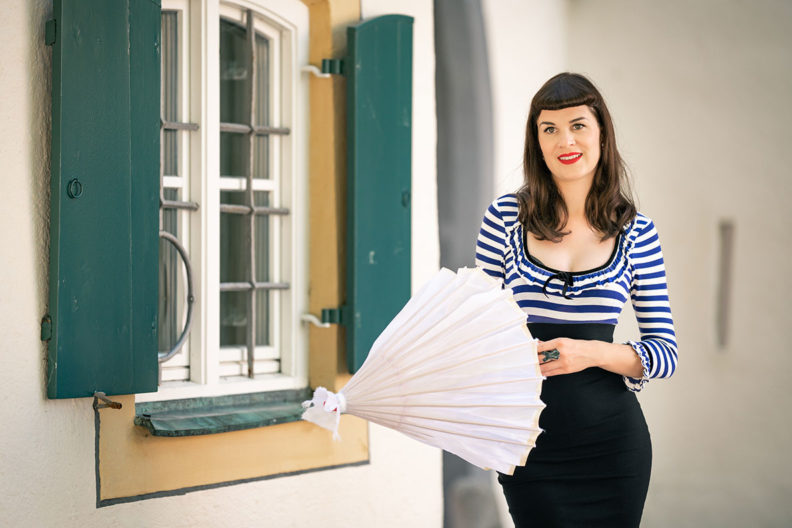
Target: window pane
{"points": [[262, 81], [169, 91], [262, 240], [170, 66], [170, 153], [234, 75], [261, 143], [169, 273], [234, 248], [261, 157], [262, 317], [234, 149], [233, 318]]}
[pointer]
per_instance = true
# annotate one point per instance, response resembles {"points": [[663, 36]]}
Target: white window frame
{"points": [[178, 364], [286, 21]]}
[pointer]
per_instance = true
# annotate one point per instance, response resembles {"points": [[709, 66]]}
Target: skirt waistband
{"points": [[592, 331]]}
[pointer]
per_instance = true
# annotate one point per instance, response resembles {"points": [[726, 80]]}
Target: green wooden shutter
{"points": [[104, 197], [379, 124]]}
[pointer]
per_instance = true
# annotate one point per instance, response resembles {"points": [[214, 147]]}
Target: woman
{"points": [[572, 247]]}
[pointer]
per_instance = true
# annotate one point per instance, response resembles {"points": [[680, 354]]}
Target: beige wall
{"points": [[700, 93], [526, 42], [47, 447]]}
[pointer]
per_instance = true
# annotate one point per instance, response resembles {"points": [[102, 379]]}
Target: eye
{"points": [[549, 130], [578, 126]]}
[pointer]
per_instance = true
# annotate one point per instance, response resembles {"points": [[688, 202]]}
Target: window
{"points": [[233, 195], [101, 326]]}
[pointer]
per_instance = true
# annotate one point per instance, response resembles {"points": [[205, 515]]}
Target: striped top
{"points": [[634, 270]]}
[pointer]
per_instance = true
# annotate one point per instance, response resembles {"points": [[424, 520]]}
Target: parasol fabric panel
{"points": [[456, 369], [104, 244], [379, 125]]}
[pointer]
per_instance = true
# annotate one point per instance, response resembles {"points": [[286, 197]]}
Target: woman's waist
{"points": [[586, 400], [587, 331]]}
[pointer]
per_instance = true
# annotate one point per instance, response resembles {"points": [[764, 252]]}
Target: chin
{"points": [[567, 177]]}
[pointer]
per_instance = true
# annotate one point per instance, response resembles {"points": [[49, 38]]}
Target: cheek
{"points": [[596, 151], [545, 149]]}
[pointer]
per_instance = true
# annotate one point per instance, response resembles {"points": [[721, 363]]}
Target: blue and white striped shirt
{"points": [[634, 270]]}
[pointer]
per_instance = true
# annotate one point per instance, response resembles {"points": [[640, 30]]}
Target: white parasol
{"points": [[456, 369]]}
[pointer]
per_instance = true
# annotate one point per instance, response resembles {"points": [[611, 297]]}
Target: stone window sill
{"points": [[203, 416]]}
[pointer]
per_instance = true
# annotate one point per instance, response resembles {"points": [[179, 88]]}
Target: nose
{"points": [[567, 138]]}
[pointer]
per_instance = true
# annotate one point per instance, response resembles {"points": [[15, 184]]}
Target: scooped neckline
{"points": [[538, 263]]}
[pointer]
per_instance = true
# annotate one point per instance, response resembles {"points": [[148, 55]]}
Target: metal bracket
{"points": [[329, 67], [106, 402], [312, 319], [333, 315], [315, 71], [330, 316], [163, 356], [333, 66]]}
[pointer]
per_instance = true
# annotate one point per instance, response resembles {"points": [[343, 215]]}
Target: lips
{"points": [[570, 158]]}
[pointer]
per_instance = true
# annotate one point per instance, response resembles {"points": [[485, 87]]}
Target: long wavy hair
{"points": [[609, 204]]}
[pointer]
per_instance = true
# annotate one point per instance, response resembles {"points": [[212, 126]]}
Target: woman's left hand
{"points": [[573, 355]]}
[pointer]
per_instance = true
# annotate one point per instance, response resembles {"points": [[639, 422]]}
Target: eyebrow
{"points": [[571, 121]]}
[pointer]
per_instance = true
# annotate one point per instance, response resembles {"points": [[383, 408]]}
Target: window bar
{"points": [[256, 210], [175, 125], [245, 286], [176, 204], [239, 128], [251, 337]]}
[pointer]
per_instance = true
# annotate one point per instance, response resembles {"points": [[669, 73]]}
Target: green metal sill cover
{"points": [[221, 414]]}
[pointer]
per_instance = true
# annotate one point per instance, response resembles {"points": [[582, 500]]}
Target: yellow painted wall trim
{"points": [[327, 182], [133, 463]]}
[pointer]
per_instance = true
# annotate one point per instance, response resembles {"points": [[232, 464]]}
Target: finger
{"points": [[547, 345], [546, 356], [550, 370]]}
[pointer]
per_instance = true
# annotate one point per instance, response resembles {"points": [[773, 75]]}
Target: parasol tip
{"points": [[324, 410]]}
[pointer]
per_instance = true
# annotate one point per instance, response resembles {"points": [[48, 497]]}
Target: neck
{"points": [[574, 194]]}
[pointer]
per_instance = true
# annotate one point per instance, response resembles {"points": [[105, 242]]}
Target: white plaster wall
{"points": [[700, 94], [526, 41], [47, 447]]}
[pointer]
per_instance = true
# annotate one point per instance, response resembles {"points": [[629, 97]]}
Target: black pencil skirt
{"points": [[591, 465]]}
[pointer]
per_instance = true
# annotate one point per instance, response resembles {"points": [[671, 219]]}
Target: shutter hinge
{"points": [[49, 32], [329, 67], [333, 66], [329, 316], [46, 328], [334, 315]]}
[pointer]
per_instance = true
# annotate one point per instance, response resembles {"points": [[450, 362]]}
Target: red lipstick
{"points": [[570, 157]]}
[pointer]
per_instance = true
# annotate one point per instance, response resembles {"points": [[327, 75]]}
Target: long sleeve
{"points": [[649, 294], [491, 243]]}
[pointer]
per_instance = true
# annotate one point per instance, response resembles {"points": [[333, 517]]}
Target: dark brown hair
{"points": [[609, 205]]}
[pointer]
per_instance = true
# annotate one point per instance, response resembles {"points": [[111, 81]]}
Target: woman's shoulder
{"points": [[640, 233], [640, 225], [506, 207]]}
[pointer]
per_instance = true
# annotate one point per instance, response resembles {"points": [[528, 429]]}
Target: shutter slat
{"points": [[379, 124], [104, 235]]}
